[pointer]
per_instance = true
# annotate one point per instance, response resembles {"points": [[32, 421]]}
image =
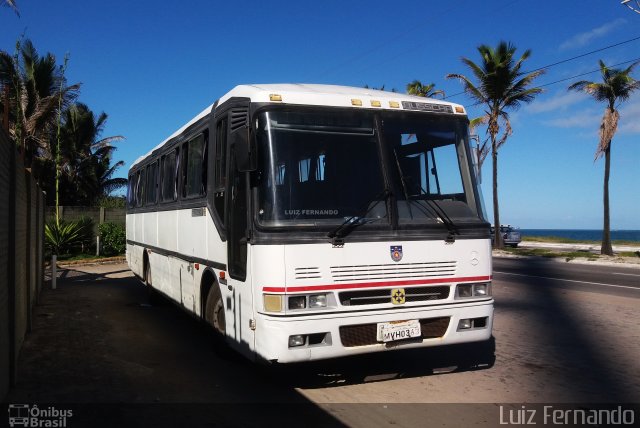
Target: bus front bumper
{"points": [[289, 339]]}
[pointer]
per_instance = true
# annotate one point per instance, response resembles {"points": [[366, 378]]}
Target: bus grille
{"points": [[381, 296], [308, 273], [365, 334], [392, 271]]}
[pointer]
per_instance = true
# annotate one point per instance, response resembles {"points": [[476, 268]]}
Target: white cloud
{"points": [[591, 118], [629, 117], [582, 119], [582, 39], [560, 101]]}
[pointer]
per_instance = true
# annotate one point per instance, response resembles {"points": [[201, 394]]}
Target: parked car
{"points": [[510, 235]]}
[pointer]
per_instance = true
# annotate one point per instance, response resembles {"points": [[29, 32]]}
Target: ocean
{"points": [[583, 234]]}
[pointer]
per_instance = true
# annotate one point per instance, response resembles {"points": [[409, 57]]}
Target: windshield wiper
{"points": [[404, 184], [437, 210], [354, 221], [446, 220], [432, 205]]}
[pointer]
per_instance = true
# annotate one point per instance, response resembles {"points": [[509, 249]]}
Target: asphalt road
{"points": [[564, 333], [611, 279]]}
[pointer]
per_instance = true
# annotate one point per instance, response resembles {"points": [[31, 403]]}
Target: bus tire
{"points": [[214, 311]]}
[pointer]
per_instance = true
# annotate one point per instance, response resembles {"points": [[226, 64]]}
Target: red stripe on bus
{"points": [[372, 284]]}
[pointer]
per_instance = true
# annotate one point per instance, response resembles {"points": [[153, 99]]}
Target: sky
{"points": [[152, 66]]}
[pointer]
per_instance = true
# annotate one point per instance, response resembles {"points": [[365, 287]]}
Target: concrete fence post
{"points": [[54, 272]]}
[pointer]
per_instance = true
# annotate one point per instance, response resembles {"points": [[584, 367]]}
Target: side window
{"points": [[168, 184], [220, 168], [139, 188], [195, 171], [131, 191], [183, 164], [151, 184]]}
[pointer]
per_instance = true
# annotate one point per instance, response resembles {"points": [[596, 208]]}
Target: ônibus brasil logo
{"points": [[25, 415]]}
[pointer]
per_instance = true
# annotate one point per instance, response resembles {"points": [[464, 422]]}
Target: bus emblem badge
{"points": [[396, 253], [397, 296]]}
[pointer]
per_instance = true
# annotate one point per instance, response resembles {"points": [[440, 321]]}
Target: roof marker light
{"points": [[459, 109], [394, 104], [275, 97], [375, 103], [356, 102]]}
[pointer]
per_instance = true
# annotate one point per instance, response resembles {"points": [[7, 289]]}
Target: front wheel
{"points": [[214, 311]]}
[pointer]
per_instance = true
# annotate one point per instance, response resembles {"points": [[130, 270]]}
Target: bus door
{"points": [[238, 293]]}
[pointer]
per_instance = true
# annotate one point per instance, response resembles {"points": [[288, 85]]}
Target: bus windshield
{"points": [[320, 167]]}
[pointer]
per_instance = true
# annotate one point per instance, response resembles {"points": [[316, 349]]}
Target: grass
{"points": [[559, 240], [629, 253], [543, 252]]}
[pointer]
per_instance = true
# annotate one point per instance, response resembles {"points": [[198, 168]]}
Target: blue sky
{"points": [[152, 66]]}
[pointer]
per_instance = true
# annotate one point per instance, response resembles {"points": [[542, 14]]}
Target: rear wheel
{"points": [[214, 311]]}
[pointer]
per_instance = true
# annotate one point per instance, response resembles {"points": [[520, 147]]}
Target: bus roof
{"points": [[318, 95]]}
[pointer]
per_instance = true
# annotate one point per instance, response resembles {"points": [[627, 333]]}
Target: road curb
{"points": [[90, 262]]}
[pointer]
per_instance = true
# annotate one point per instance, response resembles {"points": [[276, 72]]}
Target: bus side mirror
{"points": [[244, 148]]}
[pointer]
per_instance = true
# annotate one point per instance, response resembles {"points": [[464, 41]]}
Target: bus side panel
{"points": [[138, 228], [191, 239], [168, 230], [134, 257], [150, 228]]}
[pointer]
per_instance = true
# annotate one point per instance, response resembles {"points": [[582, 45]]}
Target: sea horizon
{"points": [[584, 234]]}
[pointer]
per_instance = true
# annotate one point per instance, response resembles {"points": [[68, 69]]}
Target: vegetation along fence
{"points": [[22, 212]]}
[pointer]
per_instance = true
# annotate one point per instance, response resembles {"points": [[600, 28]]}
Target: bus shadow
{"points": [[559, 339], [100, 347], [383, 366]]}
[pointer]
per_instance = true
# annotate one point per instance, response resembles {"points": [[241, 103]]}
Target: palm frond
{"points": [[13, 5]]}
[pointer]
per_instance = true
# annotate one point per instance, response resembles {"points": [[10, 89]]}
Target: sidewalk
{"points": [[597, 259], [595, 248]]}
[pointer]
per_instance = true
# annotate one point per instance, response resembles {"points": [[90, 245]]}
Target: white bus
{"points": [[306, 222]]}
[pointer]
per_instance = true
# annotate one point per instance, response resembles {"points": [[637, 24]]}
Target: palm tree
{"points": [[35, 86], [86, 158], [428, 91], [501, 86], [616, 86], [12, 5]]}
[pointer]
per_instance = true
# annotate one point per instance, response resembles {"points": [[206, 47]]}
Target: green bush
{"points": [[69, 236], [113, 239]]}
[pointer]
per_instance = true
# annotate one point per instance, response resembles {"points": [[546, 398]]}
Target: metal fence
{"points": [[22, 214]]}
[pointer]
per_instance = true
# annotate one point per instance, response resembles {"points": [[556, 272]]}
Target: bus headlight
{"points": [[318, 301], [297, 302], [482, 290], [465, 291], [272, 302]]}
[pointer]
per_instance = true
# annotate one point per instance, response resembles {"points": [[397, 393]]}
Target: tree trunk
{"points": [[606, 229], [497, 236]]}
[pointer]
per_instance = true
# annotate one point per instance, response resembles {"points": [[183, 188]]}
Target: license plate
{"points": [[398, 330]]}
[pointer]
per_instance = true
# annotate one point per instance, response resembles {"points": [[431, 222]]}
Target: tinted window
{"points": [[168, 184], [139, 188], [151, 184], [195, 183], [220, 172]]}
